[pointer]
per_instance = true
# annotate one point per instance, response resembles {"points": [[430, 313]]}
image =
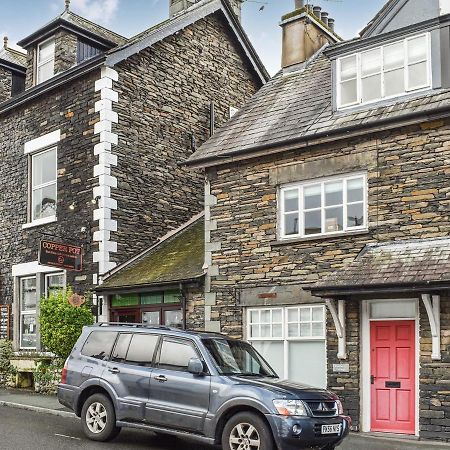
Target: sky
{"points": [[19, 18]]}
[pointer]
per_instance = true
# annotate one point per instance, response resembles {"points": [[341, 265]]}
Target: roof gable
{"points": [[169, 27], [13, 59], [397, 14]]}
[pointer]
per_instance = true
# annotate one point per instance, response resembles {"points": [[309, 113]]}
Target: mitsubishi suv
{"points": [[201, 386]]}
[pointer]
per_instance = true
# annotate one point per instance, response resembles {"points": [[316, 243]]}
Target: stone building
{"points": [[327, 216], [91, 145]]}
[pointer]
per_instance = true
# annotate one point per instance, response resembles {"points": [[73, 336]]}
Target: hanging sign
{"points": [[76, 300], [63, 256]]}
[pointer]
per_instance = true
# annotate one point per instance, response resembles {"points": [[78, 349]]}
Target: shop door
{"points": [[392, 346]]}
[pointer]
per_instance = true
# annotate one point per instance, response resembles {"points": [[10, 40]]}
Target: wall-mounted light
{"points": [[95, 200], [72, 206]]}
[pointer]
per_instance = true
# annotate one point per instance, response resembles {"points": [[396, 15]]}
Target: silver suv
{"points": [[200, 386]]}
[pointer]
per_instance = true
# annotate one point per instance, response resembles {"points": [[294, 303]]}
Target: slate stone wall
{"points": [[195, 308], [164, 112], [408, 198], [71, 109], [5, 84]]}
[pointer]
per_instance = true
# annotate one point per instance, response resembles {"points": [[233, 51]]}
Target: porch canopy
{"points": [[421, 266]]}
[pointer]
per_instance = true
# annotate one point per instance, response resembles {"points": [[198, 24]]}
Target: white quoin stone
{"points": [[101, 169], [107, 136], [111, 116], [104, 104], [107, 224], [103, 83], [444, 6], [101, 191], [109, 73], [107, 159], [102, 236], [109, 94], [102, 213], [108, 246], [107, 180], [102, 147], [104, 125], [107, 202]]}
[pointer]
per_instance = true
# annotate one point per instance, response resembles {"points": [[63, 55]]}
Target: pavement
{"points": [[49, 425]]}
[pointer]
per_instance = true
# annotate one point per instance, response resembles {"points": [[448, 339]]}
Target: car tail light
{"points": [[64, 374]]}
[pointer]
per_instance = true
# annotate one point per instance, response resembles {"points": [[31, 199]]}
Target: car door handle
{"points": [[161, 378], [114, 370]]}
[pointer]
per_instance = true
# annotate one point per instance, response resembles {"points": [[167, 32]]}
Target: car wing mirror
{"points": [[195, 366]]}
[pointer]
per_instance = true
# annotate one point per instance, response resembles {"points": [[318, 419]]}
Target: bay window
{"points": [[45, 61], [292, 340], [384, 72], [43, 184], [323, 207]]}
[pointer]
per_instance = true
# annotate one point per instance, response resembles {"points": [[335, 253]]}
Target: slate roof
{"points": [[71, 19], [177, 258], [13, 56], [415, 262], [297, 107]]}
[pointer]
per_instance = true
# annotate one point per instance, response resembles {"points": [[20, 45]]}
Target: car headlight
{"points": [[340, 408], [290, 407]]}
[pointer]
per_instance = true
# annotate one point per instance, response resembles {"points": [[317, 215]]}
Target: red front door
{"points": [[392, 356]]}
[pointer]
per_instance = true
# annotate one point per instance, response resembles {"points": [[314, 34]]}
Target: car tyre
{"points": [[247, 431], [98, 418]]}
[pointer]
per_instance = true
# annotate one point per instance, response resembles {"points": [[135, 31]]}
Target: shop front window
{"points": [[54, 282], [292, 340], [150, 308], [28, 317]]}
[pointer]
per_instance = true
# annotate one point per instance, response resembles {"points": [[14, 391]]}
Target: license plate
{"points": [[331, 429]]}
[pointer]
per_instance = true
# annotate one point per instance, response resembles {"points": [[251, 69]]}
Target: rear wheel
{"points": [[247, 431], [98, 418]]}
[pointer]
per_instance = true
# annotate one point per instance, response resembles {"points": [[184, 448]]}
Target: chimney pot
{"points": [[324, 18], [331, 23], [316, 11], [67, 4], [5, 42]]}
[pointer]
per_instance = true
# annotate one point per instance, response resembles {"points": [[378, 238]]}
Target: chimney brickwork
{"points": [[304, 34], [178, 6]]}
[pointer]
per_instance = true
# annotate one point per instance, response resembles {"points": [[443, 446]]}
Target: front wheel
{"points": [[247, 431], [98, 418]]}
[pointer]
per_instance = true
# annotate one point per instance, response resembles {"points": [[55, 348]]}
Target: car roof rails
{"points": [[134, 325]]}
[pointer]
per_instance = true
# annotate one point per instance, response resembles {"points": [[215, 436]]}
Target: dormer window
{"points": [[384, 72], [45, 61]]}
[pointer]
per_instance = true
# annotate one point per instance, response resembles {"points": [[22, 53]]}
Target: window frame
{"points": [[33, 188], [27, 313], [46, 281], [406, 65], [39, 64], [301, 209], [285, 339]]}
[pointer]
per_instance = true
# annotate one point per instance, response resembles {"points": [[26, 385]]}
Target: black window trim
{"points": [[182, 340], [124, 361]]}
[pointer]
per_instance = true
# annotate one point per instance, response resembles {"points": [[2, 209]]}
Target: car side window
{"points": [[141, 349], [176, 354], [99, 344], [120, 350]]}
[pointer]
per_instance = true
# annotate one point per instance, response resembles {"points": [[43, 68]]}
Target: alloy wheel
{"points": [[96, 417], [244, 436]]}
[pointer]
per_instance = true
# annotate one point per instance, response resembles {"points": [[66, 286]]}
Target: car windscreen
{"points": [[233, 357]]}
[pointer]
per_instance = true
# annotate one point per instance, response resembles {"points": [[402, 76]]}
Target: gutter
{"points": [[321, 138], [143, 287], [53, 83], [337, 291]]}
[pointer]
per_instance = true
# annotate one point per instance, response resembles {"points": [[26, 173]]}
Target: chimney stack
{"points": [[331, 24], [303, 34], [299, 4], [5, 42]]}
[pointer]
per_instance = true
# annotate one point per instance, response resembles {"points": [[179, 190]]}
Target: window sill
{"points": [[39, 222], [299, 240]]}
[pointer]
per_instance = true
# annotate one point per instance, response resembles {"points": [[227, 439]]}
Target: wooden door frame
{"points": [[365, 386]]}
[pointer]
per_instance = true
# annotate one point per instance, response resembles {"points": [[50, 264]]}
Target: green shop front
{"points": [[162, 285]]}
